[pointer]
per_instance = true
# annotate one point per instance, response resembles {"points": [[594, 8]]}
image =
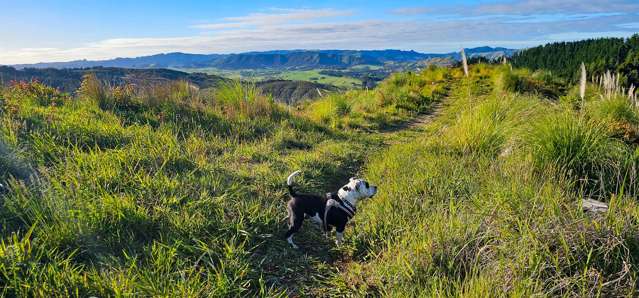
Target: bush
{"points": [[578, 147], [522, 81], [11, 165], [244, 100], [93, 89], [477, 132], [331, 110], [487, 127], [37, 92], [618, 115], [167, 94], [410, 91]]}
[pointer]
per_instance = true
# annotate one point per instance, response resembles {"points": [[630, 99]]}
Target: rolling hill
{"points": [[69, 80], [294, 59]]}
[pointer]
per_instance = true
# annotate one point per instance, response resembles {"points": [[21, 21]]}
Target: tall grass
{"points": [[11, 165], [164, 192], [180, 193], [579, 147], [238, 99], [93, 89], [395, 100], [451, 222]]}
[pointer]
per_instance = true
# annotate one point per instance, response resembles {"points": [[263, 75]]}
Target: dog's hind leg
{"points": [[294, 225]]}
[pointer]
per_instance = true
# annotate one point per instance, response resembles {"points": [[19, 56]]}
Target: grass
{"points": [[294, 75], [162, 192], [169, 191], [487, 204], [396, 100]]}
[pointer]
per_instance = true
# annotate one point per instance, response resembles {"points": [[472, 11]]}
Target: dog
{"points": [[333, 210]]}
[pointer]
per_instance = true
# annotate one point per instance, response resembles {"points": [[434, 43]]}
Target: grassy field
{"points": [[168, 192], [294, 75]]}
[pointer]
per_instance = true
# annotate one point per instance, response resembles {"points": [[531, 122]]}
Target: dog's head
{"points": [[357, 189]]}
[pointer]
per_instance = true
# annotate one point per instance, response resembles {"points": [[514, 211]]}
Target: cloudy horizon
{"points": [[63, 32]]}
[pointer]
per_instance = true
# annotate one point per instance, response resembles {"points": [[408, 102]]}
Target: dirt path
{"points": [[410, 129], [309, 271], [324, 259]]}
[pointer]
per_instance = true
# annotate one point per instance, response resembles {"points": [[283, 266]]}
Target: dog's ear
{"points": [[352, 178]]}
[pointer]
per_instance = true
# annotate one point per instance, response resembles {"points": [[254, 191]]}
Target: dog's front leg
{"points": [[339, 232], [339, 239]]}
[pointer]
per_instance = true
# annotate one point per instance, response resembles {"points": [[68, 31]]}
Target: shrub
{"points": [[93, 89], [170, 92], [331, 110], [410, 91], [476, 132], [487, 127], [11, 165], [576, 146], [37, 92], [244, 100], [522, 81], [618, 115]]}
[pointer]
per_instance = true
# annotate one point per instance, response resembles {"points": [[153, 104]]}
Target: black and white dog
{"points": [[332, 210]]}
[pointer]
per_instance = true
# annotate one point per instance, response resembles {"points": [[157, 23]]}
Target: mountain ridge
{"points": [[276, 59]]}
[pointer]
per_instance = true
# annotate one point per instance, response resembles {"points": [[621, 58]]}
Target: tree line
{"points": [[599, 55]]}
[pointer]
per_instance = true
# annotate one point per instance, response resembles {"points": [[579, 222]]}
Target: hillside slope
{"points": [[293, 91], [68, 80], [173, 193], [487, 201]]}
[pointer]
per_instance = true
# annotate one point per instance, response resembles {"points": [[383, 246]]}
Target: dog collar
{"points": [[349, 205], [335, 201]]}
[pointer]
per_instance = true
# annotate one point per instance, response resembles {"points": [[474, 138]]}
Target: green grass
{"points": [[162, 192], [316, 77], [398, 99], [167, 191], [294, 75], [487, 203]]}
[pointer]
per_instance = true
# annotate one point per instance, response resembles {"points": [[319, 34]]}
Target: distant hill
{"points": [[294, 91], [294, 59], [68, 80]]}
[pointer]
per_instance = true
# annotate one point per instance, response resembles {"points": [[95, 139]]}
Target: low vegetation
{"points": [[488, 201], [172, 191], [396, 100]]}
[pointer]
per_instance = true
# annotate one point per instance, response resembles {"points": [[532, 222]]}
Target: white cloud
{"points": [[274, 17], [219, 26], [408, 11], [558, 6]]}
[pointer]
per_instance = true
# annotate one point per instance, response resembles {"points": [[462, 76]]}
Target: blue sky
{"points": [[61, 30]]}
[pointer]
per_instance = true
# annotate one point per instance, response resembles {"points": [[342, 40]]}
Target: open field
{"points": [[169, 192], [295, 75]]}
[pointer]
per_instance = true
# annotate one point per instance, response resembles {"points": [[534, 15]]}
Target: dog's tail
{"points": [[289, 182]]}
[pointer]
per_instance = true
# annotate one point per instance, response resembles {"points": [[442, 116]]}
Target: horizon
{"points": [[63, 30], [259, 52]]}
